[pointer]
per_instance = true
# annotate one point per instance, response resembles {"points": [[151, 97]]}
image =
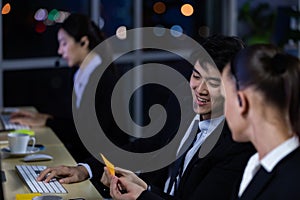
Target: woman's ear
{"points": [[243, 102], [84, 41]]}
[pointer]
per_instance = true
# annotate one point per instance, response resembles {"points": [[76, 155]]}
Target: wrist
{"points": [[84, 172]]}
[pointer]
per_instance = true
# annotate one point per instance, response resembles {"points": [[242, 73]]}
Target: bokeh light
{"points": [[121, 32], [176, 31], [61, 16], [48, 22], [6, 9], [101, 23], [187, 10], [159, 7], [41, 14], [159, 30], [53, 15], [40, 27], [203, 31]]}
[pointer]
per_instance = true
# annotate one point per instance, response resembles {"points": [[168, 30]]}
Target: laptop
{"points": [[5, 124]]}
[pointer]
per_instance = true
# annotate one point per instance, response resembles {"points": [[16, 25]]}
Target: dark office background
{"points": [[23, 37]]}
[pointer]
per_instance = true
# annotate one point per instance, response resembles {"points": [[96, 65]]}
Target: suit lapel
{"points": [[209, 146], [259, 181], [187, 144]]}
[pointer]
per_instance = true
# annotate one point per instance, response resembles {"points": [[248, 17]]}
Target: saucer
{"points": [[30, 150]]}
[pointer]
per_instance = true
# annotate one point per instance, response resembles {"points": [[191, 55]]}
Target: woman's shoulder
{"points": [[290, 164]]}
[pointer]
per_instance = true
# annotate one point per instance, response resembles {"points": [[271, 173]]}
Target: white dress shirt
{"points": [[81, 77], [268, 162], [206, 127]]}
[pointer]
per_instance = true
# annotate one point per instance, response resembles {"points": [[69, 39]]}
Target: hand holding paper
{"points": [[109, 165]]}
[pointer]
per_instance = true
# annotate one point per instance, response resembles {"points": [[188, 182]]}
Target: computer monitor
{"points": [[48, 89]]}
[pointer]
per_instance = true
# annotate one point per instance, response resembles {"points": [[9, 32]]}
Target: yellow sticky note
{"points": [[109, 165], [28, 196]]}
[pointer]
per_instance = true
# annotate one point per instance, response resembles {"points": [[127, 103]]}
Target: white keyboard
{"points": [[10, 126], [29, 174]]}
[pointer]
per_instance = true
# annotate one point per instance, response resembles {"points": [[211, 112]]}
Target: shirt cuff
{"points": [[88, 168]]}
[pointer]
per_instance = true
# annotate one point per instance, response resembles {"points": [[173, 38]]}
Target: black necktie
{"points": [[177, 167]]}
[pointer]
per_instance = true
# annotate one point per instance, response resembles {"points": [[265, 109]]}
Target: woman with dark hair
{"points": [[263, 106], [78, 26], [77, 37]]}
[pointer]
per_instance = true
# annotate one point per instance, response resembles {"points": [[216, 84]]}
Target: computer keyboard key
{"points": [[29, 174]]}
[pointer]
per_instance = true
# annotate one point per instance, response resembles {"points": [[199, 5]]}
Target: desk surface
{"points": [[14, 185]]}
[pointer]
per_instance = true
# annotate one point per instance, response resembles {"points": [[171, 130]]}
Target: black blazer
{"points": [[211, 176], [281, 183]]}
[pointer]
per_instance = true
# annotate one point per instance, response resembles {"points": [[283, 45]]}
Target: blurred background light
{"points": [[53, 15], [40, 27], [121, 32], [41, 14], [187, 10], [203, 31], [48, 22], [6, 9], [101, 23], [61, 16], [159, 30], [176, 31], [159, 7]]}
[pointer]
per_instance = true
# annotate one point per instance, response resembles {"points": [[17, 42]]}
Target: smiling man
{"points": [[205, 84], [209, 168]]}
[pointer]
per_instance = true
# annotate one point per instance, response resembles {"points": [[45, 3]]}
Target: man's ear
{"points": [[243, 102]]}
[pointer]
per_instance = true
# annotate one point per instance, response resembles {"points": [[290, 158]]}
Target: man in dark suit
{"points": [[212, 176], [209, 169], [215, 161]]}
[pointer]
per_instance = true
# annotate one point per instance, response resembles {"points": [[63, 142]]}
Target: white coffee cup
{"points": [[18, 142]]}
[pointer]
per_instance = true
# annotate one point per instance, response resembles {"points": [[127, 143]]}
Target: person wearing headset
{"points": [[78, 35]]}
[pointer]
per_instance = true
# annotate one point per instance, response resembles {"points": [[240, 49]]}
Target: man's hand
{"points": [[123, 189], [66, 174], [106, 177], [125, 174]]}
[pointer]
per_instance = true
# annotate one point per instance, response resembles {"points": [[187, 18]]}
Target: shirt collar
{"points": [[82, 74], [273, 157], [210, 124]]}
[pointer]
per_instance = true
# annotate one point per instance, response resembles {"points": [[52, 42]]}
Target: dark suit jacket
{"points": [[213, 175], [65, 127], [281, 183]]}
